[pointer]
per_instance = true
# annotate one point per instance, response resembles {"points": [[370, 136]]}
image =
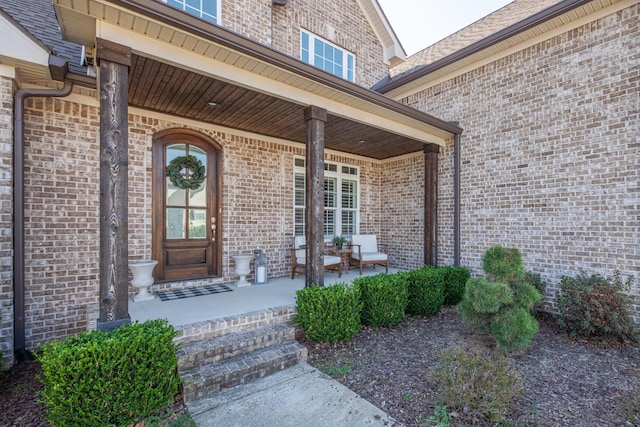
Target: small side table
{"points": [[345, 255]]}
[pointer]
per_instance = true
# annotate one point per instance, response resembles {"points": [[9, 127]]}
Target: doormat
{"points": [[192, 292]]}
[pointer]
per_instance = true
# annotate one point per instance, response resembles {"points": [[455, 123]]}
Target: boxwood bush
{"points": [[384, 298], [426, 291], [329, 314], [110, 378], [455, 279]]}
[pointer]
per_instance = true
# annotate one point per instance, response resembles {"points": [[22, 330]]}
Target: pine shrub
{"points": [[502, 302], [455, 279], [476, 387], [384, 298], [536, 281], [426, 291], [597, 309], [513, 328], [503, 264], [329, 314], [110, 378]]}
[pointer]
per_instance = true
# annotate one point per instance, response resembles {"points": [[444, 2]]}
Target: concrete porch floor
{"points": [[278, 292]]}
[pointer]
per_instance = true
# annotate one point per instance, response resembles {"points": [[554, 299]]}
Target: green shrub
{"points": [[502, 304], [513, 328], [329, 314], [476, 387], [525, 295], [597, 309], [384, 298], [486, 296], [536, 281], [455, 279], [503, 264], [426, 291], [110, 378]]}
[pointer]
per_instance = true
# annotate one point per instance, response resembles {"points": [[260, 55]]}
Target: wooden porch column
{"points": [[114, 61], [315, 119], [431, 204]]}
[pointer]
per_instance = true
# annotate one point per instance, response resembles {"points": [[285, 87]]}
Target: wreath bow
{"points": [[194, 165]]}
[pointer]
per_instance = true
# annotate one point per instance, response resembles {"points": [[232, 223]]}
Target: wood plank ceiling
{"points": [[160, 87]]}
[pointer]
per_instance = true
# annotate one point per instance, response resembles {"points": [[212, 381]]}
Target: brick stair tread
{"points": [[212, 350], [212, 378]]}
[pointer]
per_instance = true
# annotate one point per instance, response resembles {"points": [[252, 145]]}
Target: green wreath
{"points": [[186, 162]]}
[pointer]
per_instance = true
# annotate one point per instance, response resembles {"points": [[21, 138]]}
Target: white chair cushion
{"points": [[330, 260], [299, 241], [367, 242], [326, 259], [371, 256]]}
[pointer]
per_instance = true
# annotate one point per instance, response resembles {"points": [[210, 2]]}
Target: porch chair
{"points": [[331, 260], [364, 251]]}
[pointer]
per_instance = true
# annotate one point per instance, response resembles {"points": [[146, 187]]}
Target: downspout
{"points": [[21, 354], [456, 199]]}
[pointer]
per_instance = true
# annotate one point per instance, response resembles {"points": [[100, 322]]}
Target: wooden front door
{"points": [[186, 208]]}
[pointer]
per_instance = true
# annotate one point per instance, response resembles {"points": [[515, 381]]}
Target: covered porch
{"points": [[278, 292], [153, 60]]}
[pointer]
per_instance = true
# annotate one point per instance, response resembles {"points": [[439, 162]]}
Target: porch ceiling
{"points": [[180, 63], [161, 87]]}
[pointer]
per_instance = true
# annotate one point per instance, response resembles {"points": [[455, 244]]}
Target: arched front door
{"points": [[186, 207]]}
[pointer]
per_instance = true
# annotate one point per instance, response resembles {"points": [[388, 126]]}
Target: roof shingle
{"points": [[39, 18]]}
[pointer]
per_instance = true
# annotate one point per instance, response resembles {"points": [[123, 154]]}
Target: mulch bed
{"points": [[565, 383]]}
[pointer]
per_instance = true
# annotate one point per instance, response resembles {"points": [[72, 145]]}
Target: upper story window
{"points": [[327, 56], [208, 10]]}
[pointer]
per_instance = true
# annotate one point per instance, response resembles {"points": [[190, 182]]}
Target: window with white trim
{"points": [[207, 10], [341, 188], [327, 56]]}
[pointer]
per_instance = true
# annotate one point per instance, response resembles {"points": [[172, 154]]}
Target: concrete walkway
{"points": [[298, 396]]}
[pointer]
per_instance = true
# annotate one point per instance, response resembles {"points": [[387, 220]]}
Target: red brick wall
{"points": [[61, 214], [549, 153], [340, 22], [6, 222]]}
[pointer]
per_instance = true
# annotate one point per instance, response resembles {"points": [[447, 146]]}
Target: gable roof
{"points": [[515, 24], [393, 53], [504, 17], [39, 19]]}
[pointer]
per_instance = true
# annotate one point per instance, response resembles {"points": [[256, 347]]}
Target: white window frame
{"points": [[199, 13], [311, 55], [339, 176]]}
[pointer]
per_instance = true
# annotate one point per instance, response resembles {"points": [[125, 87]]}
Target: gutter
{"points": [[59, 70], [502, 35]]}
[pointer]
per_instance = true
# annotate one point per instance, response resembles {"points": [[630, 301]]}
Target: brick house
{"points": [[265, 93]]}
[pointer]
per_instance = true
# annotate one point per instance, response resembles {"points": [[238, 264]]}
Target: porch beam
{"points": [[431, 204], [114, 61], [315, 119]]}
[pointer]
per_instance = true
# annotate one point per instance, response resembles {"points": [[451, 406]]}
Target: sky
{"points": [[421, 23]]}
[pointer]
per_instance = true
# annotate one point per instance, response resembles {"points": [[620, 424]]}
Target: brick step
{"points": [[199, 353], [213, 378], [227, 325]]}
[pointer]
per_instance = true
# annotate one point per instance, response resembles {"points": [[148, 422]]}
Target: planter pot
{"points": [[141, 271], [243, 262]]}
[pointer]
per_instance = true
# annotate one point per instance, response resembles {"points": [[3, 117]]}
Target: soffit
{"points": [[188, 47], [432, 54], [185, 93]]}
